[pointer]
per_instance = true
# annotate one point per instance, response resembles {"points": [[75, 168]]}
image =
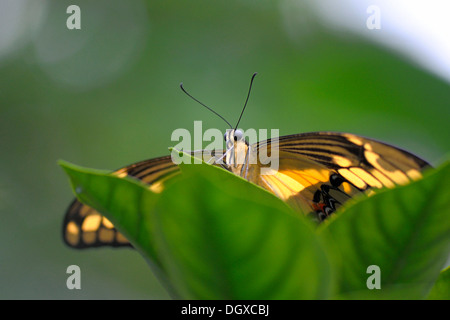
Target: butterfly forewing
{"points": [[84, 227], [319, 171]]}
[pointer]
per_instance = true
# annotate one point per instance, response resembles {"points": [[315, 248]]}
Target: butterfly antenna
{"points": [[182, 88], [248, 95]]}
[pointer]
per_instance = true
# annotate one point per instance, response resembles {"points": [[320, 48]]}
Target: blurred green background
{"points": [[107, 95]]}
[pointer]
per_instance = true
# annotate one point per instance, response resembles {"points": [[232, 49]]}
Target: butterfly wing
{"points": [[319, 171], [84, 227]]}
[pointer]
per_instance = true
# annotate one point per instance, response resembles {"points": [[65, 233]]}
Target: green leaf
{"points": [[212, 234], [441, 289], [405, 231], [126, 202], [224, 238]]}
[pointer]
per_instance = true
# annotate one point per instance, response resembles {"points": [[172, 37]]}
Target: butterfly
{"points": [[317, 173]]}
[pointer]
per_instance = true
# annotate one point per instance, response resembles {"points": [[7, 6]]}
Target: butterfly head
{"points": [[236, 147], [233, 137]]}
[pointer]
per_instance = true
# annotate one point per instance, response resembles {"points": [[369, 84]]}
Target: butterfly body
{"points": [[316, 173]]}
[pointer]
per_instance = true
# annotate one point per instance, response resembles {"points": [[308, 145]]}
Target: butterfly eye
{"points": [[238, 134], [225, 136]]}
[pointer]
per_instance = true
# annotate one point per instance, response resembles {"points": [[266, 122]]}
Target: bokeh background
{"points": [[107, 95]]}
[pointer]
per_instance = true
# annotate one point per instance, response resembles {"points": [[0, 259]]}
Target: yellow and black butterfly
{"points": [[317, 173]]}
